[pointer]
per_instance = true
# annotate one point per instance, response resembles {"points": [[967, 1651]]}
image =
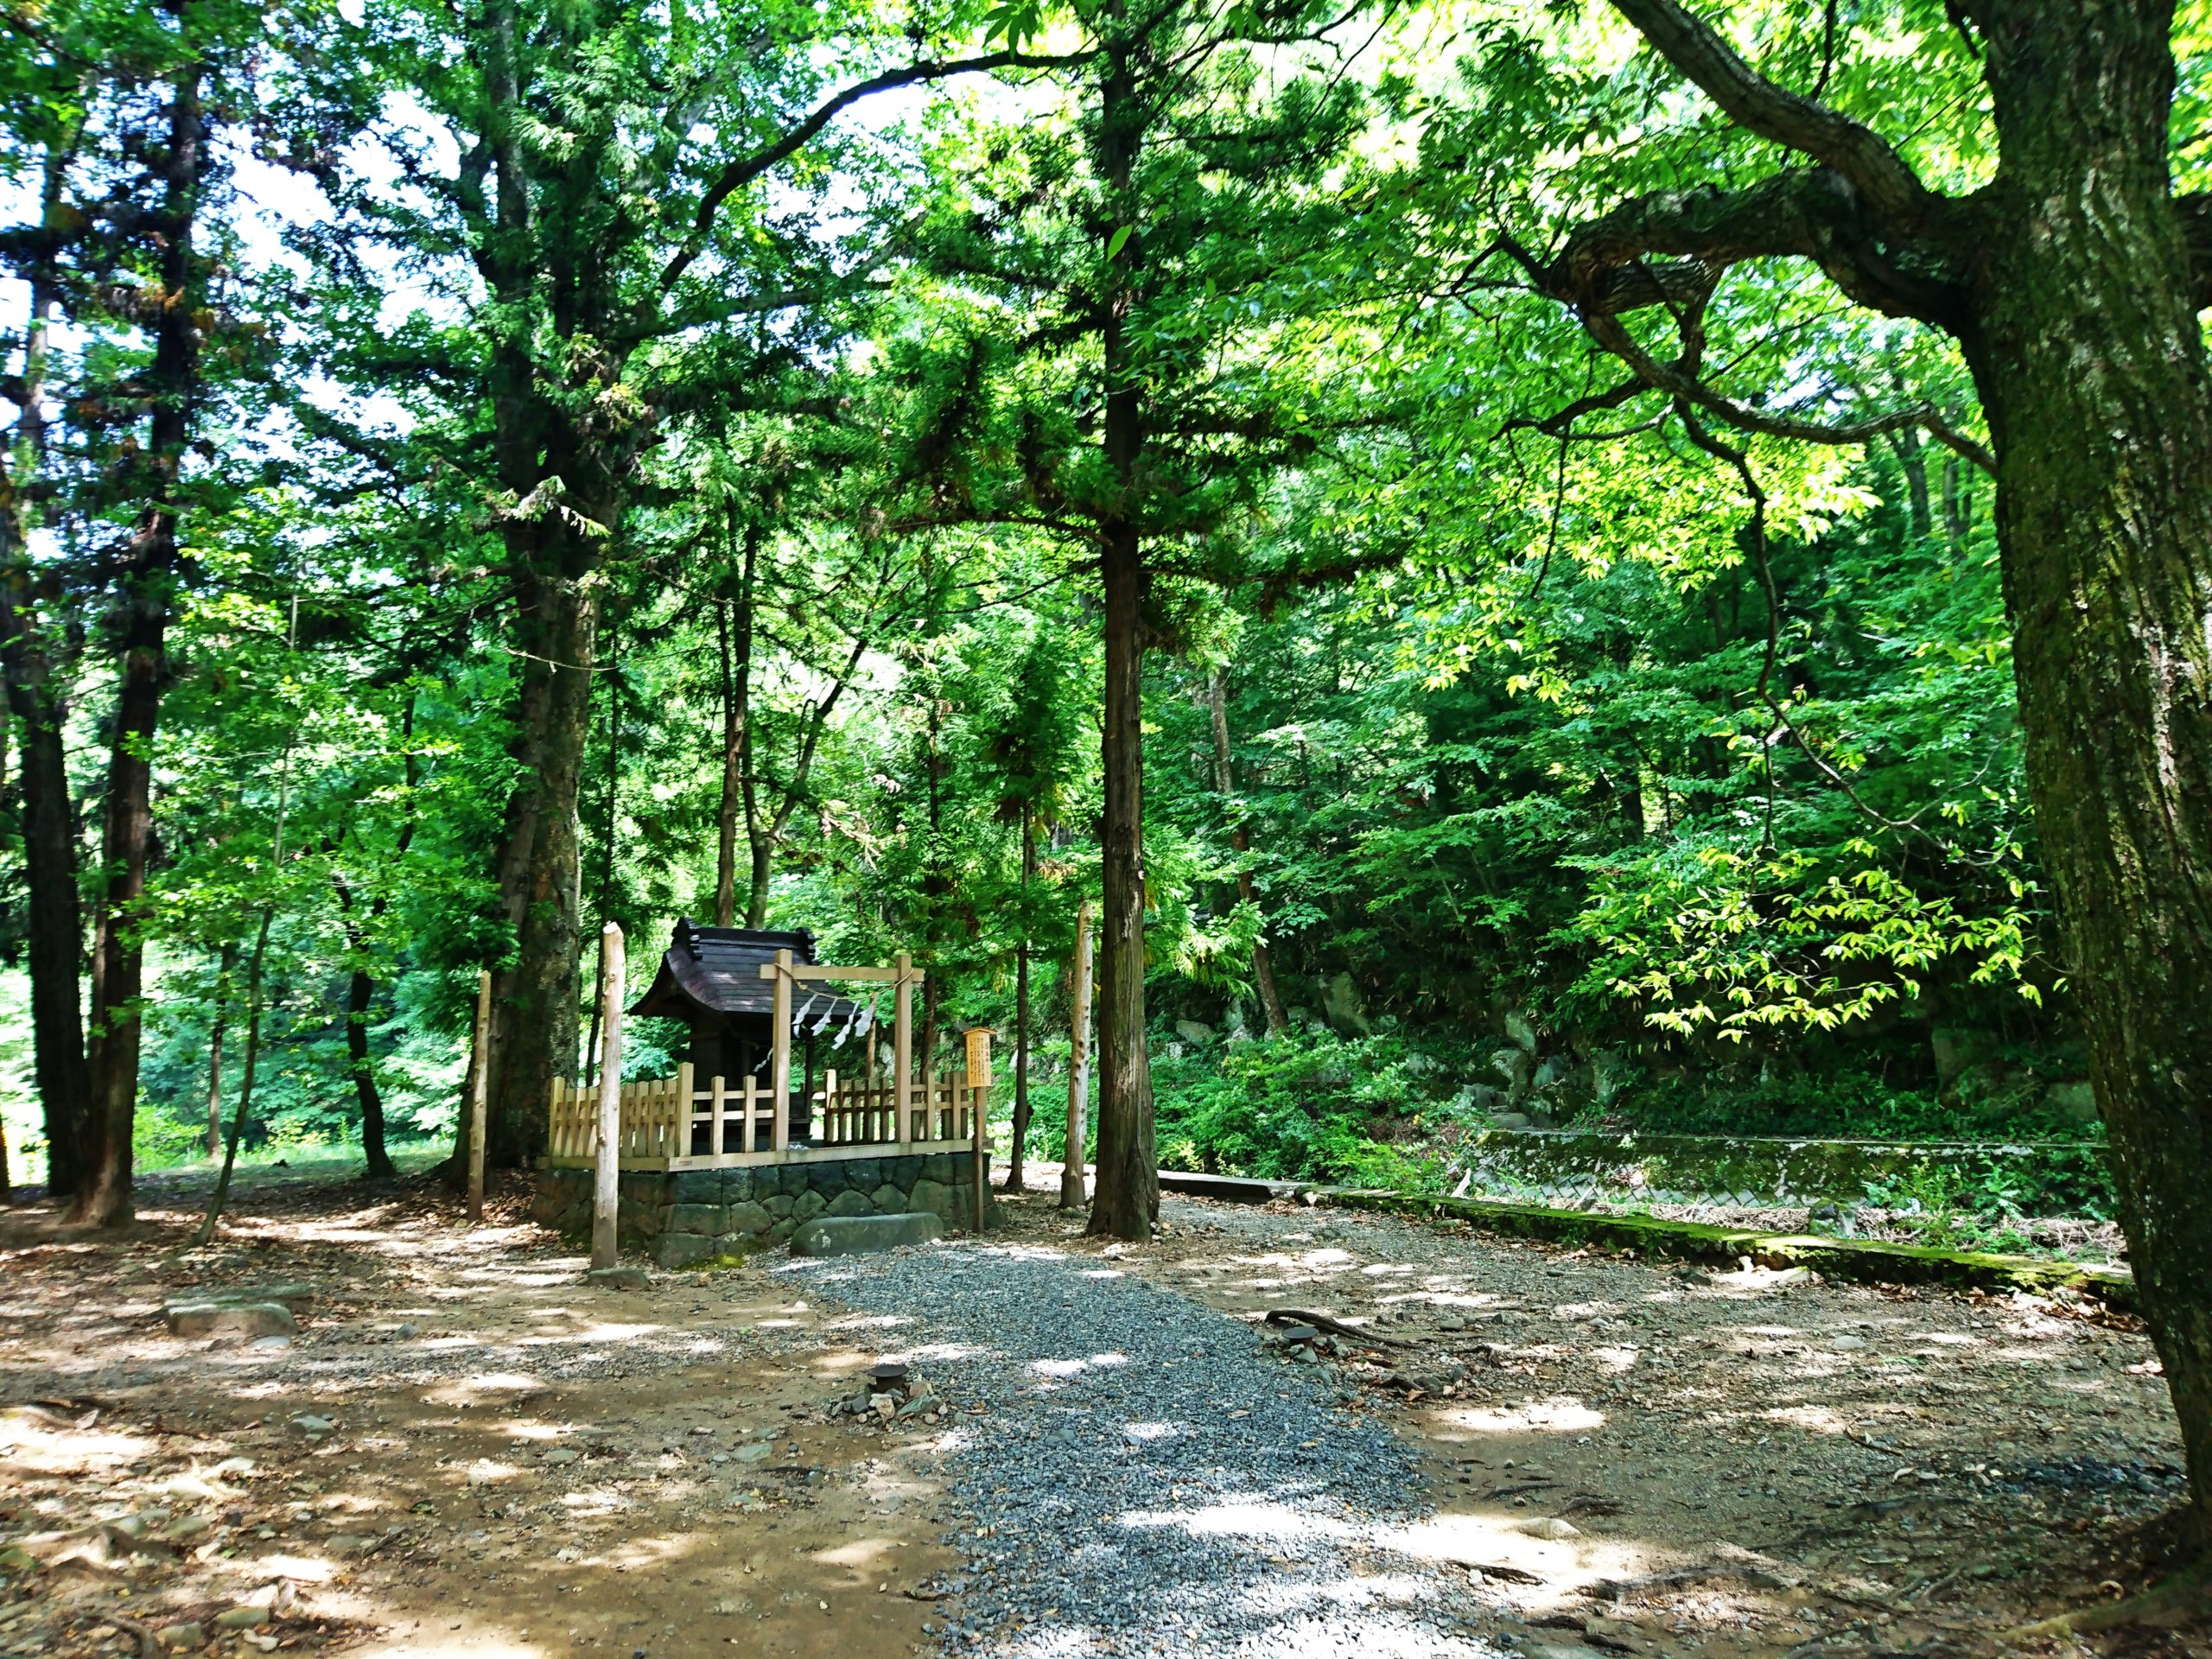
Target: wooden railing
{"points": [[670, 1123]]}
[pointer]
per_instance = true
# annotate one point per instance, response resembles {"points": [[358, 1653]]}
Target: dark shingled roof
{"points": [[716, 970]]}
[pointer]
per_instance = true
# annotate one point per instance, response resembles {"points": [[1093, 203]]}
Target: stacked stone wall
{"points": [[680, 1216]]}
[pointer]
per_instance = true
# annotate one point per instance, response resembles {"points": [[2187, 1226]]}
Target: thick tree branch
{"points": [[745, 168], [1670, 248], [1688, 389], [1605, 269], [1881, 177]]}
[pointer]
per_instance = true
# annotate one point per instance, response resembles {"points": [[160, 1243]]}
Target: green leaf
{"points": [[1114, 243]]}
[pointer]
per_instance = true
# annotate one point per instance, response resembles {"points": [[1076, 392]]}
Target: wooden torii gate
{"points": [[903, 975]]}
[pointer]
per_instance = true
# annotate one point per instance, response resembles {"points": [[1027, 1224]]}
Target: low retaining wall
{"points": [[1751, 1172], [679, 1217], [1862, 1261]]}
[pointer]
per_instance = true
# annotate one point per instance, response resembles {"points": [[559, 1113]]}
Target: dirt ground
{"points": [[466, 1452]]}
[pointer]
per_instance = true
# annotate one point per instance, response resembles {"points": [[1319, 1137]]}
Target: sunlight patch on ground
{"points": [[938, 1353], [870, 1322], [37, 1445], [1469, 1540], [595, 1504], [1818, 1420], [479, 1643], [1561, 1415], [857, 1555], [1259, 1519], [1617, 1360], [643, 1555], [487, 1386], [300, 1569]]}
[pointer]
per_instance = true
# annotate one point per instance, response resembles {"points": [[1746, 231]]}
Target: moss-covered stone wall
{"points": [[2041, 1178], [680, 1216]]}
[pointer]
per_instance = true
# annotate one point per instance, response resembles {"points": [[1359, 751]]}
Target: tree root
{"points": [[149, 1643], [2185, 1592]]}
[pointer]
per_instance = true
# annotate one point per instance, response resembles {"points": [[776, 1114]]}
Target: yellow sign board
{"points": [[979, 1056]]}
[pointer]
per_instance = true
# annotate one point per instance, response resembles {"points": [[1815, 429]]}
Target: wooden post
{"points": [[780, 1079], [751, 1104], [722, 1093], [977, 1079], [606, 1191], [902, 1046], [479, 1069], [1071, 1192], [679, 1128], [830, 1121]]}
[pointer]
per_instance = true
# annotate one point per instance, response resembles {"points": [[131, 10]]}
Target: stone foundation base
{"points": [[681, 1216]]}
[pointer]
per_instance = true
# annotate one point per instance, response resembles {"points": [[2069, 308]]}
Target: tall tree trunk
{"points": [[2087, 350], [1239, 838], [736, 633], [535, 1028], [55, 921], [589, 1057], [1125, 1198], [1910, 450], [145, 582], [1958, 502], [762, 851], [1014, 1173], [937, 886], [36, 698], [552, 557], [227, 962], [360, 991]]}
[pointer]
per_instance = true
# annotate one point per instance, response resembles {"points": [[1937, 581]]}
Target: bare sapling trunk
{"points": [[253, 980], [1015, 1178], [217, 1027], [1240, 839], [1072, 1196], [359, 994], [606, 1185], [241, 1113], [479, 1066]]}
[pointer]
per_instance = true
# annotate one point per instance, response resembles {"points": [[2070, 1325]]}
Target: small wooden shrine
{"points": [[756, 1003], [710, 978]]}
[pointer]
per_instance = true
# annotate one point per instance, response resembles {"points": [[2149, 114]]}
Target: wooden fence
{"points": [[672, 1123]]}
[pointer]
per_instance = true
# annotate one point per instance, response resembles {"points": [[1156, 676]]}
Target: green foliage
{"points": [[1307, 1109], [1532, 747]]}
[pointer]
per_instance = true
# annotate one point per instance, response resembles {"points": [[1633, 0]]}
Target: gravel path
{"points": [[1155, 1482]]}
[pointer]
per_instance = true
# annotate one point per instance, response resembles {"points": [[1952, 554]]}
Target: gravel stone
{"points": [[1107, 1479]]}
